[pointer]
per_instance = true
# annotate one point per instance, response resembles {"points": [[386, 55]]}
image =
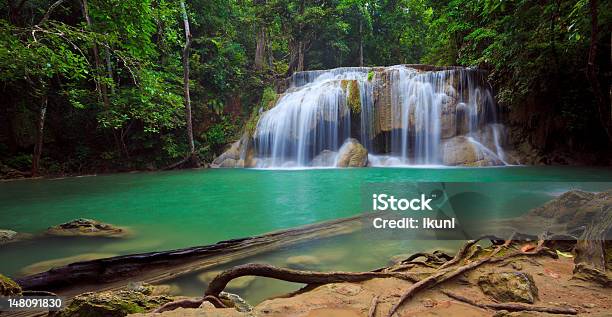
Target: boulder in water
{"points": [[8, 287], [461, 151], [509, 287], [87, 228], [9, 236], [352, 154]]}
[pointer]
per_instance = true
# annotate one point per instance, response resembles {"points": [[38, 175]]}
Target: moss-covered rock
{"points": [[353, 94], [87, 227], [585, 272], [509, 287], [8, 287], [115, 303]]}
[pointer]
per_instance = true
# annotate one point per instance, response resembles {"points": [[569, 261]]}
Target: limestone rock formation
{"points": [[239, 154], [7, 236], [352, 154], [8, 287], [460, 150], [576, 208], [509, 287], [115, 303], [87, 228]]}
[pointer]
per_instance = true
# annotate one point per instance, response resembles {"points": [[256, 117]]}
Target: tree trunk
{"points": [[300, 57], [40, 128], [603, 106], [260, 50], [186, 51], [109, 69], [96, 53], [360, 43], [590, 260]]}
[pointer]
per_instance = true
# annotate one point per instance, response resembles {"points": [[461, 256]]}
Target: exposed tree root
{"points": [[445, 275], [443, 264], [512, 306], [372, 311], [190, 303], [190, 161], [465, 249], [37, 293], [183, 303], [217, 285]]}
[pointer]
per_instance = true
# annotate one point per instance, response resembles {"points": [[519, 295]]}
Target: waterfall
{"points": [[305, 121], [403, 116]]}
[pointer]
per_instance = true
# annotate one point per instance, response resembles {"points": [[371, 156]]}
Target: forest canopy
{"points": [[97, 85]]}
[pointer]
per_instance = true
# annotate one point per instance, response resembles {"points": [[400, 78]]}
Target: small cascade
{"points": [[403, 116], [309, 118]]}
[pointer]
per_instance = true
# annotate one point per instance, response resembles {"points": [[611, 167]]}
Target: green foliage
{"points": [[114, 86], [268, 98], [20, 162], [221, 133]]}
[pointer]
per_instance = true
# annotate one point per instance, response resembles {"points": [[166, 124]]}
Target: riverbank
{"points": [[528, 285]]}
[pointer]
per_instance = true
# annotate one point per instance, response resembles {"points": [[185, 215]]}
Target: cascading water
{"points": [[402, 116]]}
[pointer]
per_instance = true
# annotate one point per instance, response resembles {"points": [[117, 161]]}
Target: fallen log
{"points": [[155, 267]]}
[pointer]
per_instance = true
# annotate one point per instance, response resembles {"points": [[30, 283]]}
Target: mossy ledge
{"points": [[351, 88]]}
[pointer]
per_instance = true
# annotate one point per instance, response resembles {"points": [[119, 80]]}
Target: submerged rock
{"points": [[352, 154], [509, 287], [87, 227], [208, 276], [9, 287], [241, 282], [115, 303], [302, 262]]}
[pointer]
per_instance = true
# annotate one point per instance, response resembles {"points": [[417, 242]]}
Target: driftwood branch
{"points": [[512, 306]]}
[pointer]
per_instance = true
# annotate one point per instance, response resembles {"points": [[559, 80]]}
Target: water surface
{"points": [[168, 210]]}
